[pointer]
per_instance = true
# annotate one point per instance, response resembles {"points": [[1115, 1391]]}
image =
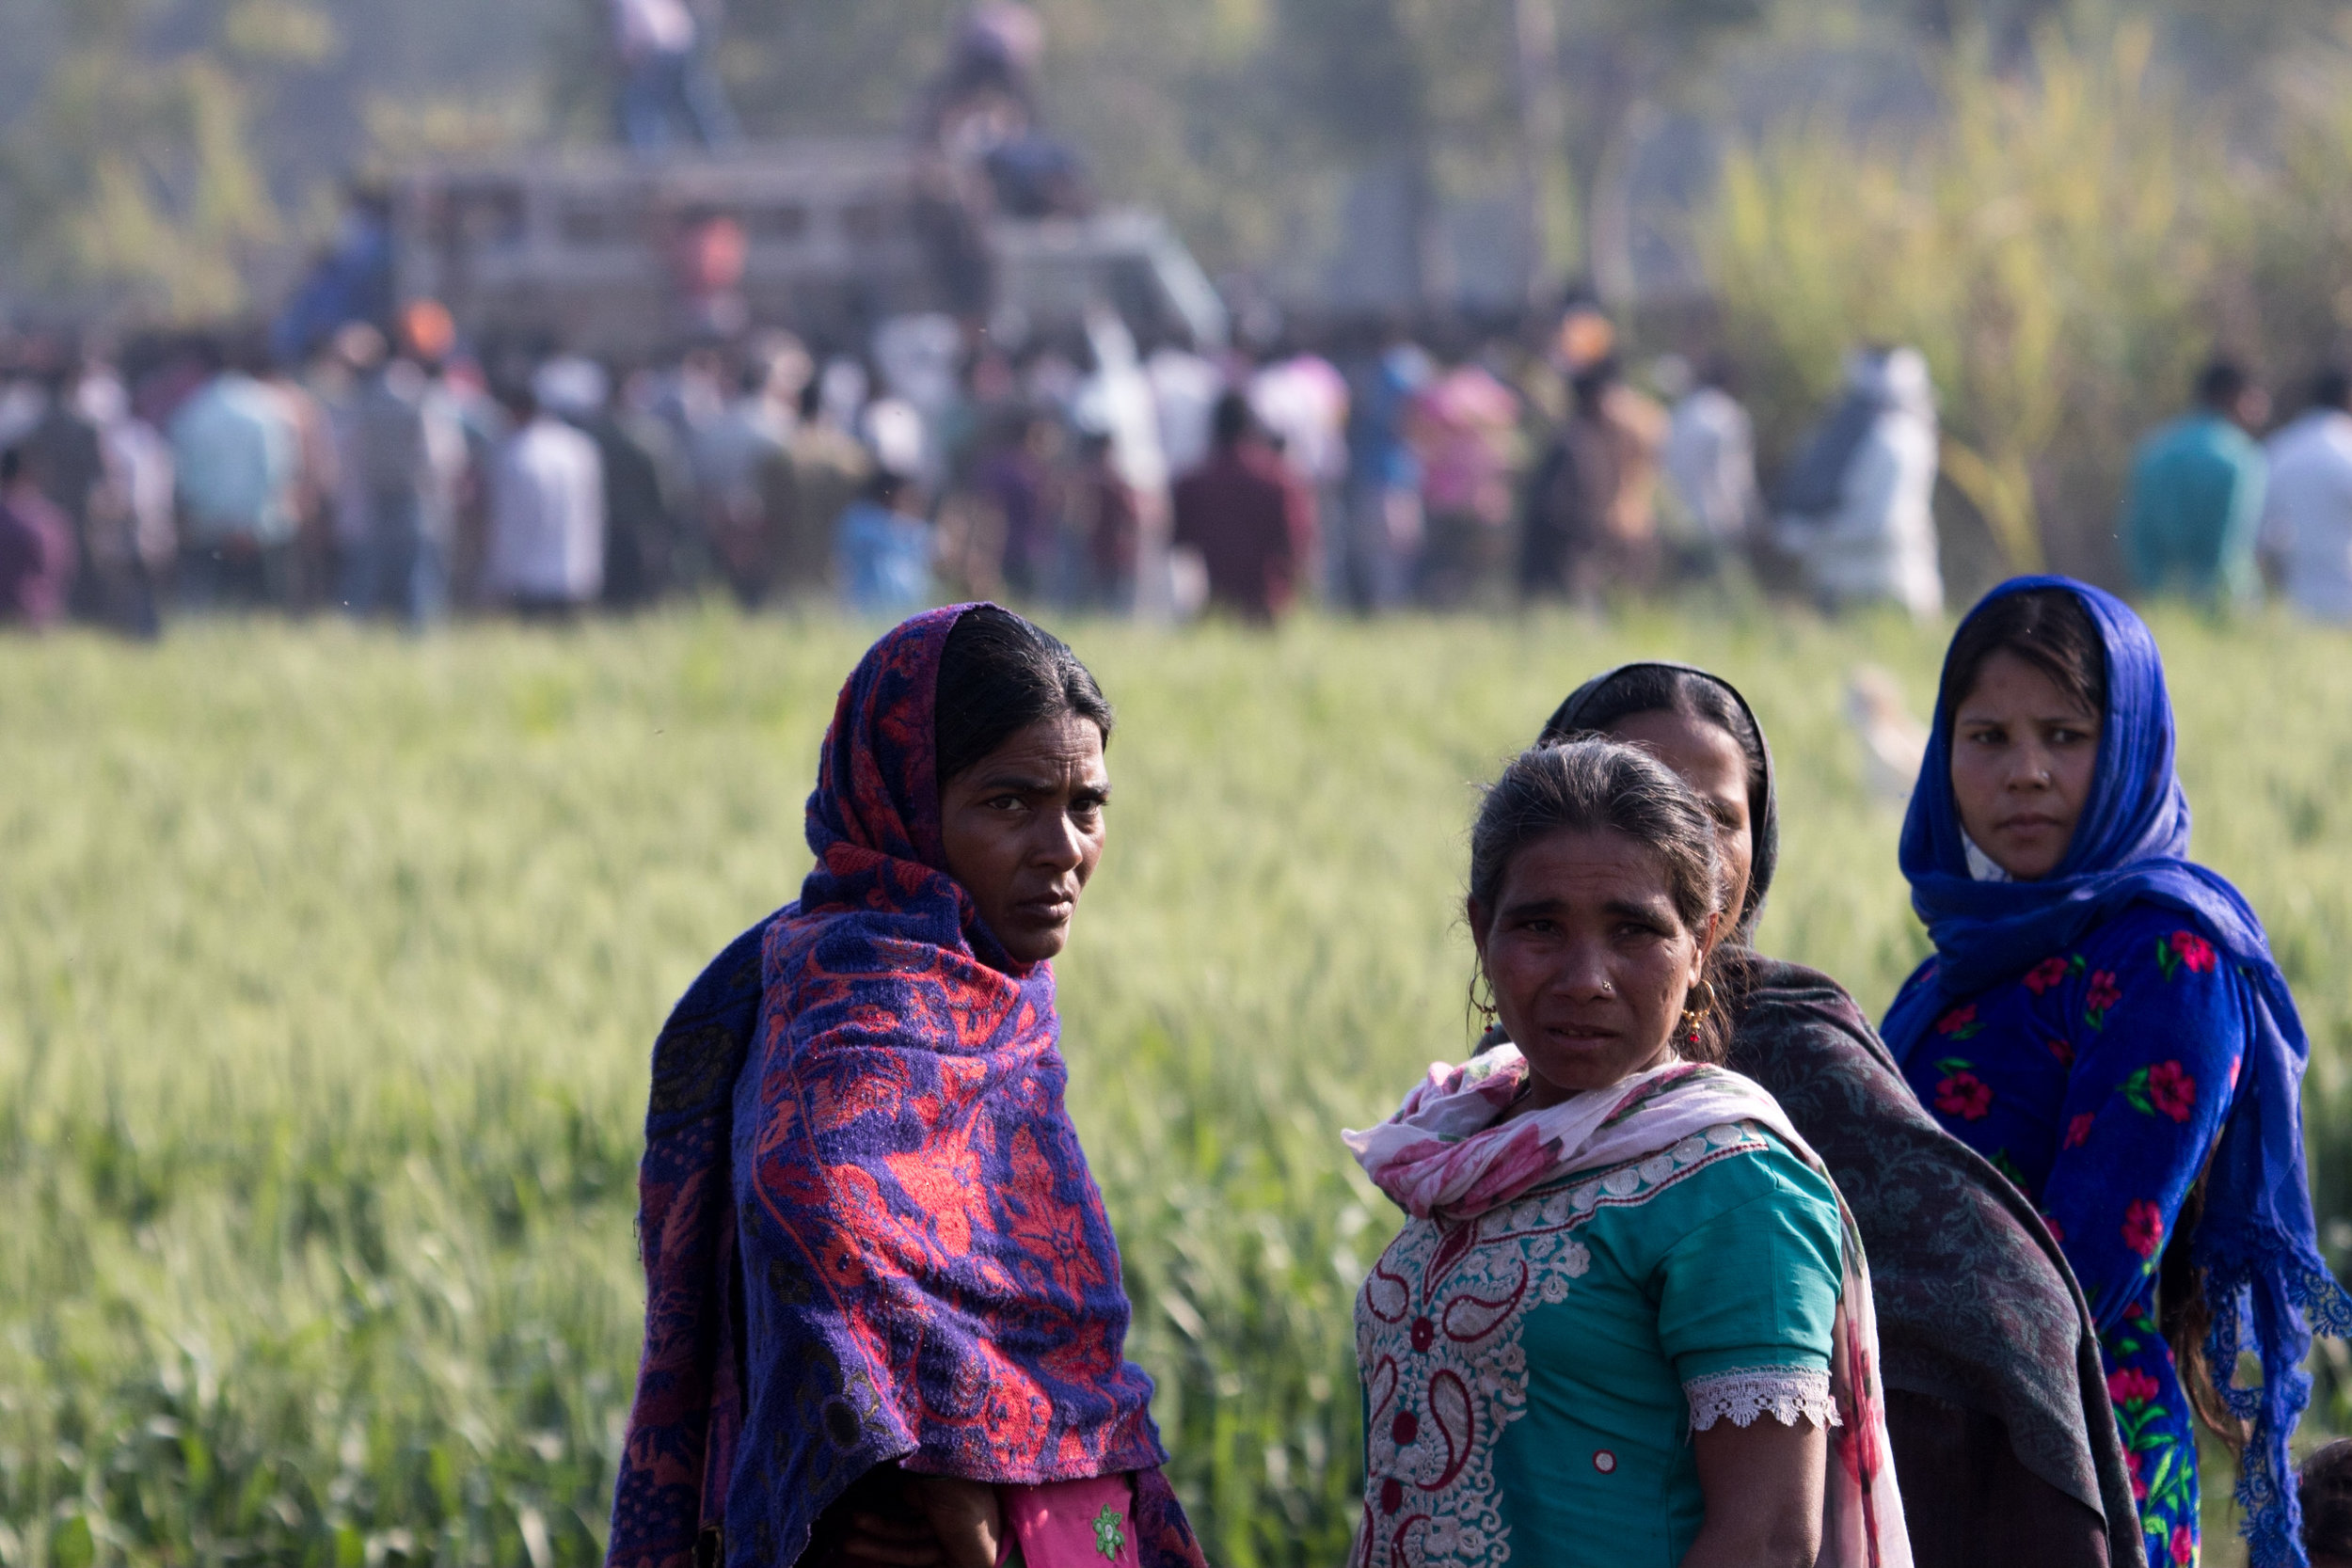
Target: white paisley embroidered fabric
{"points": [[1787, 1394]]}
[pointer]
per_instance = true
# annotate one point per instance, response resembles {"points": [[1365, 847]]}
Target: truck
{"points": [[626, 256]]}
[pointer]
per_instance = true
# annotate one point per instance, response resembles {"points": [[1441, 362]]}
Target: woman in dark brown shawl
{"points": [[2005, 1442]]}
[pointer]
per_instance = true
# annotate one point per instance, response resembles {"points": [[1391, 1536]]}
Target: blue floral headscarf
{"points": [[2255, 1244]]}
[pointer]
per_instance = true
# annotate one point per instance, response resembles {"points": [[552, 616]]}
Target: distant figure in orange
{"points": [[1251, 521]]}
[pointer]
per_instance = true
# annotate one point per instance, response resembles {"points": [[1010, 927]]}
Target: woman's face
{"points": [[1589, 960], [1705, 756], [1023, 830], [2023, 757]]}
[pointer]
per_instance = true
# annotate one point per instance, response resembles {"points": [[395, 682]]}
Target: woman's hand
{"points": [[964, 1517], [1764, 1486]]}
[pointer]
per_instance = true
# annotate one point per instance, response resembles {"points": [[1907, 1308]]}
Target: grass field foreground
{"points": [[329, 963]]}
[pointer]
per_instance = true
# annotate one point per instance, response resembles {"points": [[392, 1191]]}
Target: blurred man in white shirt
{"points": [[2307, 516], [1862, 521], [547, 514], [1710, 466]]}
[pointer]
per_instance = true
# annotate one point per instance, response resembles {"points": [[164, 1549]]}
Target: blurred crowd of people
{"points": [[401, 474], [406, 475]]}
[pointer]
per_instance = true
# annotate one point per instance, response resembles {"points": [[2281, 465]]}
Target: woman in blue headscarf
{"points": [[2104, 1020]]}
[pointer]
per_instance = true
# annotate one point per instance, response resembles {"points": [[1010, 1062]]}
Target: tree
{"points": [[134, 181], [1401, 82], [2058, 247], [1623, 61]]}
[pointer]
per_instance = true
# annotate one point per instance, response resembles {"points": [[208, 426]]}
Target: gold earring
{"points": [[1694, 1014], [1485, 1009]]}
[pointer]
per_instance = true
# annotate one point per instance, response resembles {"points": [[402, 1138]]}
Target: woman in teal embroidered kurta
{"points": [[1533, 1375], [1628, 1322]]}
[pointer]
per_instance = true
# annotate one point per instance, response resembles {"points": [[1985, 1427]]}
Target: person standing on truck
{"points": [[667, 81]]}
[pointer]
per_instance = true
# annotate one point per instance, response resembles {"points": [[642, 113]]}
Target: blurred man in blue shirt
{"points": [[2195, 504], [1385, 524], [882, 552]]}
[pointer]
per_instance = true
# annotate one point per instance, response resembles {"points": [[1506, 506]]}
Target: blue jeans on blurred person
{"points": [[397, 568], [234, 575], [667, 92]]}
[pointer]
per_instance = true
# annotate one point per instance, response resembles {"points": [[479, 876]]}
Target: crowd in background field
{"points": [[401, 474]]}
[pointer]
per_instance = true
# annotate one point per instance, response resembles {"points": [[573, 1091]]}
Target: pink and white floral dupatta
{"points": [[1445, 1156]]}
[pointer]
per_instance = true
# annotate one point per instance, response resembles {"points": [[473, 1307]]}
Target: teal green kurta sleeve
{"points": [[1747, 1298]]}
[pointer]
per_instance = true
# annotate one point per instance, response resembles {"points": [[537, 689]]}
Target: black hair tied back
{"points": [[1596, 785], [998, 674]]}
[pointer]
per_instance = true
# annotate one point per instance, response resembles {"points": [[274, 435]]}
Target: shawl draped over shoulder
{"points": [[2254, 1245], [1996, 1402], [869, 1233], [1978, 1315]]}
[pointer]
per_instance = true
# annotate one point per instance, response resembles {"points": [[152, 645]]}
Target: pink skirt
{"points": [[1070, 1524]]}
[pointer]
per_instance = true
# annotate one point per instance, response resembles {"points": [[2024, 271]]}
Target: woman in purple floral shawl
{"points": [[883, 1306]]}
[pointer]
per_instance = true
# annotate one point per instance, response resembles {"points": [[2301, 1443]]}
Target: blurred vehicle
{"points": [[618, 254]]}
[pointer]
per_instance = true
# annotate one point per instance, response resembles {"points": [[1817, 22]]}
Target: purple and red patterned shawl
{"points": [[869, 1232]]}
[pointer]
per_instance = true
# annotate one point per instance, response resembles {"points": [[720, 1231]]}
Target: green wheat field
{"points": [[330, 961]]}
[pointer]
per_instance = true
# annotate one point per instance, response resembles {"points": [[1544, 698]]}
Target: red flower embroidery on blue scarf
{"points": [[2048, 973]]}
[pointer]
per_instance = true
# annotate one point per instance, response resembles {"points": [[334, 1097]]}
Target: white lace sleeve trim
{"points": [[1787, 1394]]}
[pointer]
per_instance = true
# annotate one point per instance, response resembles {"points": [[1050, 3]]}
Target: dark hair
{"points": [[884, 487], [2047, 628], [247, 351], [2185, 1318], [1592, 382], [2332, 388], [998, 674], [2222, 382], [1231, 419], [2324, 1486], [1640, 689], [1597, 785]]}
